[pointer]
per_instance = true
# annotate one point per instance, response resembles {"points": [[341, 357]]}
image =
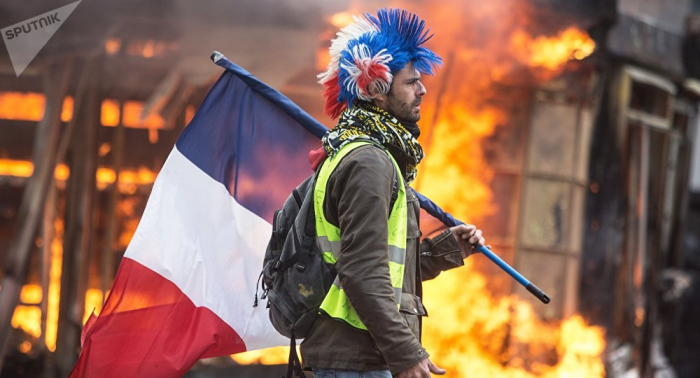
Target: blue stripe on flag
{"points": [[252, 139]]}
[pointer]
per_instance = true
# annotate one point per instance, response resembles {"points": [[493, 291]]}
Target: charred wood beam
{"points": [[48, 233], [79, 220], [107, 265], [57, 78], [81, 97]]}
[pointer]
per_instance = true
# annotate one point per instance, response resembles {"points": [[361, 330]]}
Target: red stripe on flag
{"points": [[149, 328]]}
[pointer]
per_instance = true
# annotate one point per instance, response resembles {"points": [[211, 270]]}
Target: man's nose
{"points": [[421, 89]]}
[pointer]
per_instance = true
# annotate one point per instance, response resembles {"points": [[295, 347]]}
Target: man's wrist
{"points": [[404, 358]]}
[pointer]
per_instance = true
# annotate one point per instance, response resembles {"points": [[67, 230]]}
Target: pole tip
{"points": [[537, 292]]}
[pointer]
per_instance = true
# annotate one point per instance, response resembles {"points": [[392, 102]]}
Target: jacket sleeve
{"points": [[439, 253], [360, 190]]}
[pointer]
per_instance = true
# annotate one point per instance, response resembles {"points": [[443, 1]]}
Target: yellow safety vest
{"points": [[336, 303]]}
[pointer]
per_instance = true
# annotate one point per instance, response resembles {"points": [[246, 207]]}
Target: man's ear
{"points": [[376, 94], [379, 100]]}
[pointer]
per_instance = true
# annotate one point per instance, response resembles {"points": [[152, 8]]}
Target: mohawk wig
{"points": [[367, 53]]}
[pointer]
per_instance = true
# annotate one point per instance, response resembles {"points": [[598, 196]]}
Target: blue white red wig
{"points": [[367, 53]]}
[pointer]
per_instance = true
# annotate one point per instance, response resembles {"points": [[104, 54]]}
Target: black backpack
{"points": [[295, 279]]}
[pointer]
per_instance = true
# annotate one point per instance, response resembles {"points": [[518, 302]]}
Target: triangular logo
{"points": [[25, 39]]}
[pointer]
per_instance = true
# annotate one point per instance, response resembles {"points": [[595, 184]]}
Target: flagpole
{"points": [[448, 220], [317, 129]]}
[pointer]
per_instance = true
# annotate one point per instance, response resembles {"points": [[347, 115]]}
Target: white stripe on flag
{"points": [[195, 234]]}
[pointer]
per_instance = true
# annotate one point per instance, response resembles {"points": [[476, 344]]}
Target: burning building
{"points": [[562, 128]]}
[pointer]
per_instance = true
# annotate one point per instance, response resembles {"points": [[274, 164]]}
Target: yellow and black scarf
{"points": [[368, 122]]}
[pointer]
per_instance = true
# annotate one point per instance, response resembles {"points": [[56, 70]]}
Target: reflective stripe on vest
{"points": [[336, 303]]}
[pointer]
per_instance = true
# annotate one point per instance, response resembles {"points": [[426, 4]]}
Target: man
{"points": [[370, 319]]}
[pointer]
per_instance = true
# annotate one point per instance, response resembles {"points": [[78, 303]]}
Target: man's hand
{"points": [[467, 235], [422, 369]]}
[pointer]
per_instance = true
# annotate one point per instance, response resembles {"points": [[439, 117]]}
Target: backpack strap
{"points": [[294, 364], [309, 237], [394, 189]]}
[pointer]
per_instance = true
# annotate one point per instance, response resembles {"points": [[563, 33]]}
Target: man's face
{"points": [[405, 95]]}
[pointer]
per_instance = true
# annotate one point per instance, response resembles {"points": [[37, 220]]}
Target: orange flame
{"points": [[269, 356], [132, 117], [110, 113], [93, 302], [470, 331], [30, 106], [23, 168], [552, 52], [22, 106], [129, 179], [128, 213], [475, 334], [54, 285], [341, 19], [28, 317], [113, 45], [150, 48]]}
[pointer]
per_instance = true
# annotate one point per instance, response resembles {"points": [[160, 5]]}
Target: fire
{"points": [[109, 114], [28, 316], [473, 196], [471, 332], [30, 106], [22, 106], [552, 52], [23, 168], [17, 168], [270, 356], [129, 179], [341, 19], [476, 334], [127, 211], [189, 114], [334, 22], [25, 347], [93, 302], [150, 48], [132, 117], [67, 109], [113, 45], [104, 149], [54, 285]]}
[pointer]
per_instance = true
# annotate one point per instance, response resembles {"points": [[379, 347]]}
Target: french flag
{"points": [[185, 287]]}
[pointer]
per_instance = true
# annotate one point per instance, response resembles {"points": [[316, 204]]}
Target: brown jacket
{"points": [[357, 201]]}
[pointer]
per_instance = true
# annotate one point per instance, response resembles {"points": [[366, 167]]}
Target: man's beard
{"points": [[403, 112]]}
